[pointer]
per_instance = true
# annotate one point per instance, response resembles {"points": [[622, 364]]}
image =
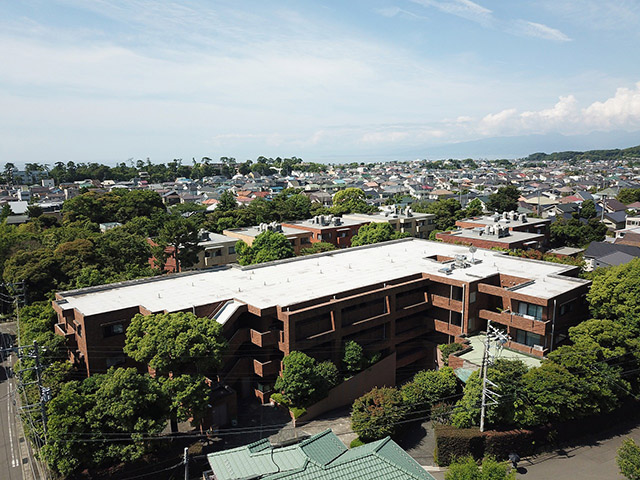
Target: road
{"points": [[10, 456]]}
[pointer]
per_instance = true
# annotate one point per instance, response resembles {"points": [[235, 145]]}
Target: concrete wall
{"points": [[381, 374]]}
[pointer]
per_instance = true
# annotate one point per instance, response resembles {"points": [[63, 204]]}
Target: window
{"points": [[528, 338], [113, 329], [113, 361], [472, 297], [342, 234], [78, 329], [566, 308], [305, 240], [232, 250], [531, 310]]}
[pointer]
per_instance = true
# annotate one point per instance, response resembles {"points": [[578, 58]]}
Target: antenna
{"points": [[472, 250]]}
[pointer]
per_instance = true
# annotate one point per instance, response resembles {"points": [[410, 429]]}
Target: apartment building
{"points": [[403, 297], [490, 236], [298, 238], [327, 228], [513, 221], [404, 220]]}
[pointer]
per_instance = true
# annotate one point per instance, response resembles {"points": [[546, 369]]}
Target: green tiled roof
{"points": [[320, 457]]}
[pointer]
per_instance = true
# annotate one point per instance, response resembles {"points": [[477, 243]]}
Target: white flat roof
{"points": [[292, 281]]}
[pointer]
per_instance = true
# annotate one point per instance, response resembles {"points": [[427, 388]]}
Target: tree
{"points": [[508, 374], [329, 374], [628, 459], [467, 469], [351, 200], [377, 414], [119, 404], [189, 397], [576, 233], [505, 200], [429, 387], [629, 195], [376, 233], [301, 383], [117, 249], [178, 238], [588, 209], [176, 343], [474, 208], [615, 295], [353, 359], [318, 247], [227, 202], [267, 247], [446, 212], [39, 269]]}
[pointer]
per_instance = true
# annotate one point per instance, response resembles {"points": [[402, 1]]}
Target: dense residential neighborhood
{"points": [[401, 286]]}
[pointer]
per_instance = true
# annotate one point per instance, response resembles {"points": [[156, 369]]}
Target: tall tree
{"points": [[267, 247], [178, 238], [505, 200], [376, 233]]}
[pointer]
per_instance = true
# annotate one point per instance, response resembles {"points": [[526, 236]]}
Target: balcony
{"points": [[264, 339], [70, 338], [266, 369], [520, 322], [448, 328], [536, 350], [446, 302]]}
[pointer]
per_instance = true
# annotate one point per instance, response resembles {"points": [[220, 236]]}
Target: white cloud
{"points": [[538, 30], [622, 111], [461, 8]]}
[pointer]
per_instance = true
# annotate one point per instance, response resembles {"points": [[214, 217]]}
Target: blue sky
{"points": [[108, 80]]}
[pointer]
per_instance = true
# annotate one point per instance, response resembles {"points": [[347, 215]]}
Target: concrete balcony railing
{"points": [[536, 351], [448, 328], [446, 302], [264, 339], [266, 369], [520, 322], [70, 337]]}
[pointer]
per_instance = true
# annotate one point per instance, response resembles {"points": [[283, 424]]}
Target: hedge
{"points": [[500, 444], [453, 443]]}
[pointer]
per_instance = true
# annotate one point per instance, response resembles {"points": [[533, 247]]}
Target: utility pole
{"points": [[45, 393], [186, 463], [489, 397]]}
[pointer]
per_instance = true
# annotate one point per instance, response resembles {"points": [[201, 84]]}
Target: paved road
{"points": [[10, 456]]}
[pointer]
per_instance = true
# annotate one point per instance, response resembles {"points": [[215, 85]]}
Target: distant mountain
{"points": [[522, 146]]}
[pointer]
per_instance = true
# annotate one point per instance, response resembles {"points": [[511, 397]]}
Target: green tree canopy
{"points": [[303, 381], [121, 402], [267, 247], [575, 233], [505, 200], [376, 233], [429, 387], [628, 459], [615, 294], [467, 469], [377, 414], [351, 200], [176, 343], [178, 238], [353, 359]]}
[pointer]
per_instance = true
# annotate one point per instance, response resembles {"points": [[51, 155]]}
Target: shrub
{"points": [[328, 373], [354, 360], [628, 459], [452, 443], [377, 413], [429, 387], [356, 442], [447, 349]]}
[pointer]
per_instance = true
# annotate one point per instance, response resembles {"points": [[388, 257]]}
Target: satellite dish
{"points": [[473, 249]]}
